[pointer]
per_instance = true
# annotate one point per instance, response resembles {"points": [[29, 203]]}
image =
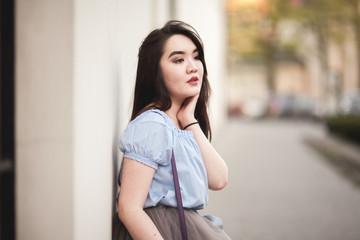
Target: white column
{"points": [[66, 99], [44, 120], [95, 81]]}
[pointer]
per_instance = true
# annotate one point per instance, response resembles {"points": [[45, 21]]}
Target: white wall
{"points": [[94, 92], [75, 73], [44, 120], [66, 78], [134, 23]]}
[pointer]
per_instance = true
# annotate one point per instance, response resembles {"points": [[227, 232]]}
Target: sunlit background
{"points": [[293, 58], [285, 113]]}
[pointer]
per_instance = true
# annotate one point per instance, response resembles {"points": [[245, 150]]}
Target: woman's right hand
{"points": [[186, 114]]}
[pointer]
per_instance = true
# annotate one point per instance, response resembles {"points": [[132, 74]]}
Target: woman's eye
{"points": [[197, 57], [179, 60]]}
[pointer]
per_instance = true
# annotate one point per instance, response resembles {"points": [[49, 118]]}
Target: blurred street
{"points": [[279, 188]]}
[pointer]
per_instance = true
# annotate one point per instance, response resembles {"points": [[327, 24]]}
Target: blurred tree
{"points": [[354, 17], [254, 28], [254, 35], [329, 21], [322, 18], [267, 40]]}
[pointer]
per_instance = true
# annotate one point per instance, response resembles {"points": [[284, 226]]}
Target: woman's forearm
{"points": [[139, 224], [217, 171]]}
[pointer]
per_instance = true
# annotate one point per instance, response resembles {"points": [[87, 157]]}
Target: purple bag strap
{"points": [[178, 199]]}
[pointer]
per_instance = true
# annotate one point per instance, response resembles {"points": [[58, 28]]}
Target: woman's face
{"points": [[181, 68]]}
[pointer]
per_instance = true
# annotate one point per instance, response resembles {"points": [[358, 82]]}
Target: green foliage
{"points": [[253, 31], [323, 16], [345, 126]]}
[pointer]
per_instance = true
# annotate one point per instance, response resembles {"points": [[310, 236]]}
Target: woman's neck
{"points": [[172, 113]]}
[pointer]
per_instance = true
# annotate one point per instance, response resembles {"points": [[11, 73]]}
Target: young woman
{"points": [[169, 114]]}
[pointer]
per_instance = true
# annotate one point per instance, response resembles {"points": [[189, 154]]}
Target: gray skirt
{"points": [[166, 220]]}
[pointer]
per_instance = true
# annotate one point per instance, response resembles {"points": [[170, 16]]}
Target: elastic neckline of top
{"points": [[162, 113]]}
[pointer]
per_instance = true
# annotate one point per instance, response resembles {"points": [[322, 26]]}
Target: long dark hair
{"points": [[150, 86]]}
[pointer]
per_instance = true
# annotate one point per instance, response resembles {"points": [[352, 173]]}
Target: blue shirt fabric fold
{"points": [[150, 139]]}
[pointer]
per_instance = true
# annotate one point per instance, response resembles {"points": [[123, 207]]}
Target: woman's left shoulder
{"points": [[153, 115]]}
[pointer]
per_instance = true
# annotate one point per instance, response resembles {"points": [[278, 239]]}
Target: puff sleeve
{"points": [[147, 142]]}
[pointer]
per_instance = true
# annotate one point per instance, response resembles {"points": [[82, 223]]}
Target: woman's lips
{"points": [[193, 81]]}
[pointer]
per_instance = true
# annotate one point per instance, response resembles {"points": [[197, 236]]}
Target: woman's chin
{"points": [[194, 92], [192, 95], [182, 97]]}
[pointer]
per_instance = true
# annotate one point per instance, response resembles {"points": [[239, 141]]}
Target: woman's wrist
{"points": [[186, 122], [190, 124]]}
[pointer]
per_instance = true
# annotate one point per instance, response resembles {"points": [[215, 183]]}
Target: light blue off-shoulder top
{"points": [[149, 139]]}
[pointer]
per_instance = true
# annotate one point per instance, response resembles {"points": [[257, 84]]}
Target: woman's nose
{"points": [[192, 67]]}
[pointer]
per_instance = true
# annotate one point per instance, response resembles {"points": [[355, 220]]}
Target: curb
{"points": [[343, 155]]}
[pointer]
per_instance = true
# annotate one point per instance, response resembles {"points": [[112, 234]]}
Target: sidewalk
{"points": [[344, 155], [281, 189]]}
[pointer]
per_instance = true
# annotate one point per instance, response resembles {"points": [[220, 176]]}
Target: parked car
{"points": [[255, 107], [235, 109], [291, 105], [349, 103]]}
